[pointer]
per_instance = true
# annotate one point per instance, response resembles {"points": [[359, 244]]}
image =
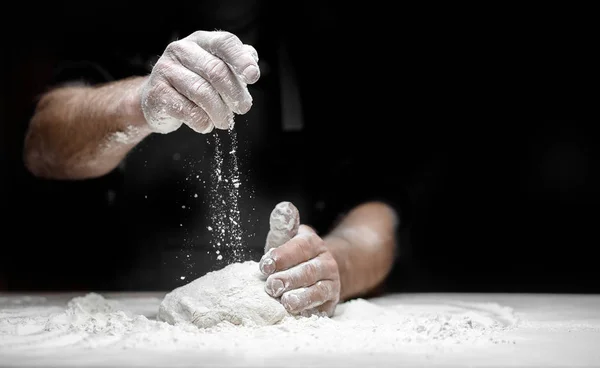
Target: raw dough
{"points": [[234, 294]]}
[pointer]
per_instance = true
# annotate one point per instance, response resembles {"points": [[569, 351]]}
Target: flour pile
{"points": [[93, 321]]}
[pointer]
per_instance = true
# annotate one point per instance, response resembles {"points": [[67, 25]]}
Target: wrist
{"points": [[339, 248], [132, 105]]}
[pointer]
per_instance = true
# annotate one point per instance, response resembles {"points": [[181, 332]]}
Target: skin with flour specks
{"points": [[310, 274], [81, 131], [284, 223]]}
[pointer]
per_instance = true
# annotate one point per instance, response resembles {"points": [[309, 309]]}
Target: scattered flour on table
{"points": [[93, 321]]}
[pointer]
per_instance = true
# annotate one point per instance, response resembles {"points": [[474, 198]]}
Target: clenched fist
{"points": [[200, 81], [301, 271]]}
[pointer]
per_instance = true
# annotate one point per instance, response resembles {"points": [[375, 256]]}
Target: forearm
{"points": [[80, 132], [363, 245]]}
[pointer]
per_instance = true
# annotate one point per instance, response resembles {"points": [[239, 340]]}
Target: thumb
{"points": [[305, 230], [283, 225]]}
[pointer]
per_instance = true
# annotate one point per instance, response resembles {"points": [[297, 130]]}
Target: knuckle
{"points": [[197, 117], [310, 239], [307, 249], [311, 271], [330, 265], [228, 40], [328, 259], [158, 95], [316, 241], [199, 86], [216, 70], [251, 50], [325, 290], [176, 48], [166, 96], [197, 35], [162, 68], [303, 243]]}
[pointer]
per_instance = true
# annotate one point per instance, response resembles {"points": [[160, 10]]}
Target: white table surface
{"points": [[554, 330]]}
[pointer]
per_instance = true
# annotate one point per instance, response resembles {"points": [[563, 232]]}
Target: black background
{"points": [[478, 124]]}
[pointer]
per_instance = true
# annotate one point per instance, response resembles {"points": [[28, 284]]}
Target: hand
{"points": [[302, 272], [200, 81]]}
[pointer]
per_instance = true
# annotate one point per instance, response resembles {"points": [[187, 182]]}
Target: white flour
{"points": [[92, 322], [225, 215]]}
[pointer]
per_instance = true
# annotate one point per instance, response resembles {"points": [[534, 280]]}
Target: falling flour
{"points": [[225, 217], [93, 321]]}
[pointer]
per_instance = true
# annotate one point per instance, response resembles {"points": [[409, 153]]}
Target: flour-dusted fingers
{"points": [[304, 299], [229, 48], [252, 51], [283, 225], [162, 105], [302, 272], [308, 273], [215, 71], [327, 308], [301, 248], [166, 110], [209, 69], [199, 91]]}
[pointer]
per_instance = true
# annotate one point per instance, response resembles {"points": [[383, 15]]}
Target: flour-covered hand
{"points": [[201, 81], [303, 273]]}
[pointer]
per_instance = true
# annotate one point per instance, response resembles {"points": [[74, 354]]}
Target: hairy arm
{"points": [[80, 131], [364, 245]]}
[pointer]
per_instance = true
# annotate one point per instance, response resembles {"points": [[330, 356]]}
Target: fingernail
{"points": [[275, 288], [267, 266], [251, 74]]}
